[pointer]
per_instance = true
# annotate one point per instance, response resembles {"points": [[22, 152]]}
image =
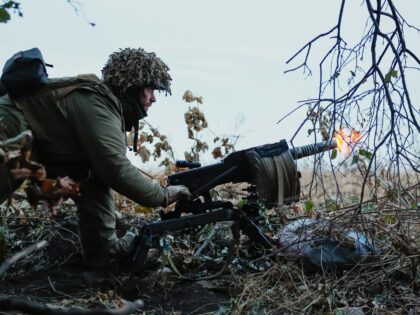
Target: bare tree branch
{"points": [[376, 100]]}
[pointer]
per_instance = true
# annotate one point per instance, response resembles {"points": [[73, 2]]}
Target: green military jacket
{"points": [[12, 120], [83, 121]]}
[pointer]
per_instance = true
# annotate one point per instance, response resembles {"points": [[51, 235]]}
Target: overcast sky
{"points": [[231, 52]]}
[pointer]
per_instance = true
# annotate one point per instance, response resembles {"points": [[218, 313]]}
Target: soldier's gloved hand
{"points": [[176, 192]]}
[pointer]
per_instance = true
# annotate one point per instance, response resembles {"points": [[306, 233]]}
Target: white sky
{"points": [[231, 52]]}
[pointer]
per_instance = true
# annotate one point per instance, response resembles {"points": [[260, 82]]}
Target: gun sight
{"points": [[187, 164]]}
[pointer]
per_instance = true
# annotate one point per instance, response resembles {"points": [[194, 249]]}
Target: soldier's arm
{"points": [[97, 124]]}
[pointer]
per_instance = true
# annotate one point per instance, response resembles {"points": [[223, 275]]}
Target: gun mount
{"points": [[270, 169]]}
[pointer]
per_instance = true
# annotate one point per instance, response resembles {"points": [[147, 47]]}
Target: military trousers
{"points": [[95, 205], [97, 220], [96, 224]]}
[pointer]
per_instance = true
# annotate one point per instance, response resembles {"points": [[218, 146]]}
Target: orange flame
{"points": [[347, 139]]}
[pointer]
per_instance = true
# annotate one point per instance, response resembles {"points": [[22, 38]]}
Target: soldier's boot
{"points": [[117, 252], [100, 268], [125, 245]]}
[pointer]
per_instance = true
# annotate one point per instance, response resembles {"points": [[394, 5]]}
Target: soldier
{"points": [[79, 126]]}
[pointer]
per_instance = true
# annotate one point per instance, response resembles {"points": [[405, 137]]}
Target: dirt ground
{"points": [[56, 275], [253, 283]]}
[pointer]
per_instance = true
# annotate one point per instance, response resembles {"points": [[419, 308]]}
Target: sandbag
{"points": [[320, 246]]}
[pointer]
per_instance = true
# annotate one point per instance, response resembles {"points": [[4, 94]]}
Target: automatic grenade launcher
{"points": [[270, 169]]}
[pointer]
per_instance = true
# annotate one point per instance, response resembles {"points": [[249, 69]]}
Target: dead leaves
{"points": [[217, 152], [151, 143], [189, 97], [150, 136], [52, 192], [224, 143], [195, 120]]}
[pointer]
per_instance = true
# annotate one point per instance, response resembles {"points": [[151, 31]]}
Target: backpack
{"points": [[24, 72]]}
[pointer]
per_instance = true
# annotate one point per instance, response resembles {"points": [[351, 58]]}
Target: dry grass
{"points": [[387, 284]]}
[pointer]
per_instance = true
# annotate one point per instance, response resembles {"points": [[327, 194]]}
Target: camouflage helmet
{"points": [[135, 67]]}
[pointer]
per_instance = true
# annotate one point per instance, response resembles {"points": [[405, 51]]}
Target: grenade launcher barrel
{"points": [[311, 149]]}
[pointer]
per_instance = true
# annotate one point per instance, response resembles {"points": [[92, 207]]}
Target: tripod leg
{"points": [[252, 230]]}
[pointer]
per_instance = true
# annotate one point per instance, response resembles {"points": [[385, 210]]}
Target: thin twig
{"points": [[11, 260], [25, 306]]}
